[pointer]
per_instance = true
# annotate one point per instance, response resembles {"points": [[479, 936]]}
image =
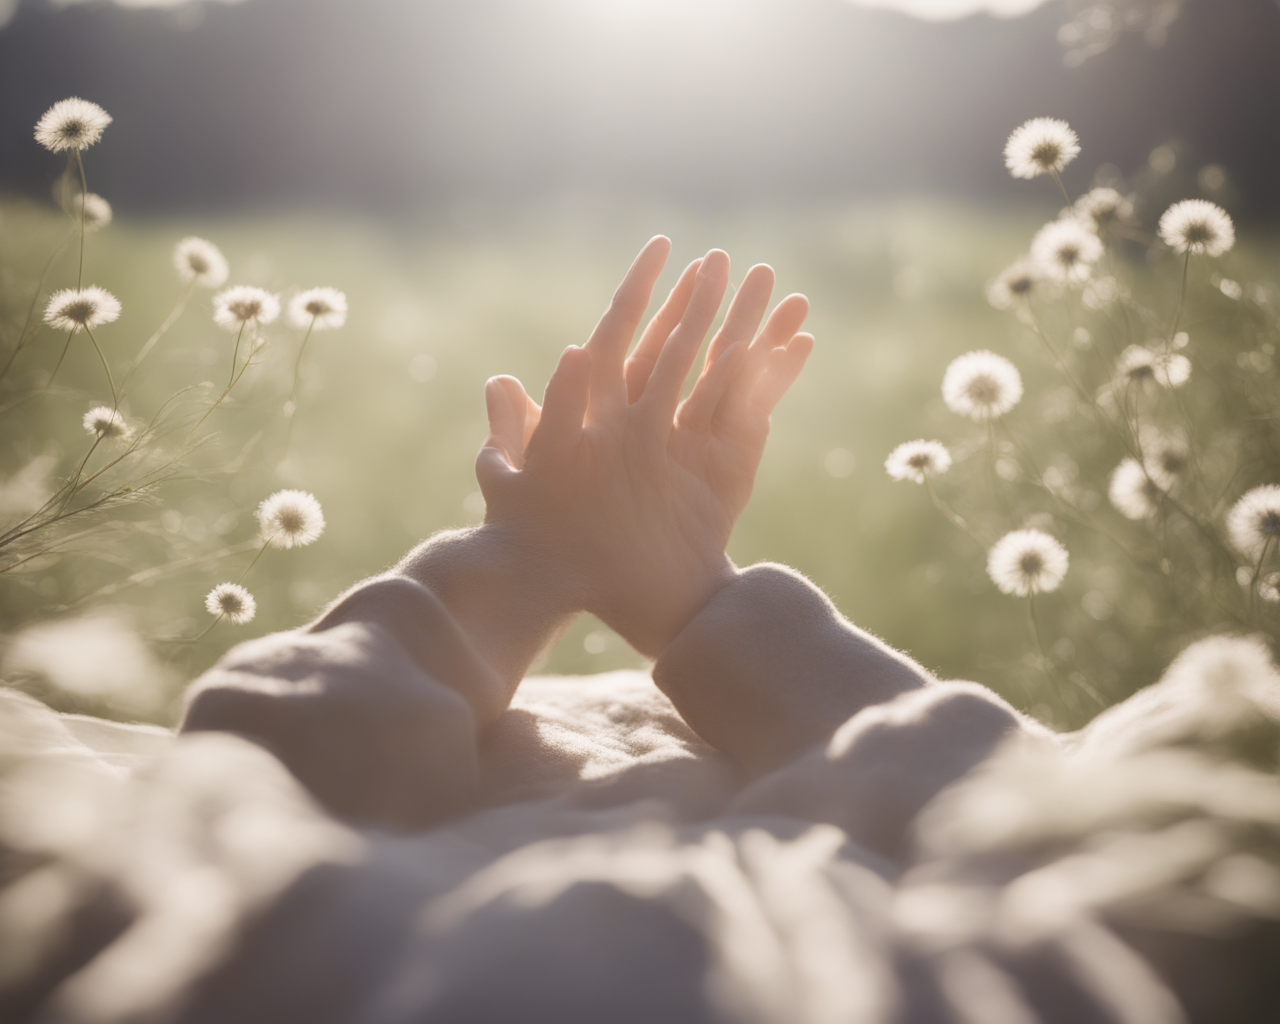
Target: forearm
{"points": [[769, 667], [509, 594]]}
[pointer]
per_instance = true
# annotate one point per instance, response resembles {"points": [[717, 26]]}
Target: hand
{"points": [[631, 493]]}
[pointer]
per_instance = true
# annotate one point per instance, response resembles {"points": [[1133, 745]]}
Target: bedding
{"points": [[329, 838]]}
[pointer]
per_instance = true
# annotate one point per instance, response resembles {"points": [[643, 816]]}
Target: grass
{"points": [[391, 414]]}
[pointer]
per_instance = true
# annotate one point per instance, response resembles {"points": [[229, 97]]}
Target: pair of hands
{"points": [[630, 493]]}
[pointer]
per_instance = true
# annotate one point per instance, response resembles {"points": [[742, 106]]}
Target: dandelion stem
{"points": [[35, 300], [951, 514], [1061, 187], [58, 366], [75, 480], [292, 404], [206, 631], [84, 207], [1182, 296], [115, 399], [161, 331], [235, 357], [261, 550]]}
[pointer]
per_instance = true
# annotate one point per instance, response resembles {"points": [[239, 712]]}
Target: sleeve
{"points": [[769, 667], [370, 706]]}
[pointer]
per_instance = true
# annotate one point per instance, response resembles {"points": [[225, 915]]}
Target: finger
{"points": [[663, 391], [502, 455], [613, 335], [697, 411], [786, 319], [563, 407], [745, 312], [783, 367], [640, 364], [504, 399]]}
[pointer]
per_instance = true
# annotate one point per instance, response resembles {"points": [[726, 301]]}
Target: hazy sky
{"points": [[394, 104]]}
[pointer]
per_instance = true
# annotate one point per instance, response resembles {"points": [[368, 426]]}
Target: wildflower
{"points": [[916, 460], [104, 422], [1165, 459], [242, 306], [290, 519], [71, 124], [1067, 250], [232, 602], [1027, 562], [321, 309], [1044, 145], [1133, 492], [1015, 285], [1269, 588], [1104, 207], [1199, 227], [91, 210], [981, 385], [200, 261], [1253, 524], [1138, 365], [79, 309]]}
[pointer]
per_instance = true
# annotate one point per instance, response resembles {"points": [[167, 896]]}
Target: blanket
{"points": [[935, 859]]}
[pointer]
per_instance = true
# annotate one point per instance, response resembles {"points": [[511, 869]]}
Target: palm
{"points": [[635, 490]]}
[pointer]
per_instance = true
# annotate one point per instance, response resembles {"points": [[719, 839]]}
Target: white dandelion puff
{"points": [[290, 519], [915, 460], [104, 422], [71, 124], [1067, 249], [232, 602], [1104, 208], [1199, 227], [200, 261], [242, 306], [1253, 524], [1269, 588], [1027, 562], [321, 309], [981, 385], [91, 210], [1043, 145], [1166, 459], [1140, 365], [1133, 492], [1015, 285], [79, 309]]}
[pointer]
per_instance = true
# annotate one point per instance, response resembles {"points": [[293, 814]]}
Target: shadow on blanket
{"points": [[935, 861]]}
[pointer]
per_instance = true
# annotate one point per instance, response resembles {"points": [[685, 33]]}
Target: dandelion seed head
{"points": [[1041, 146], [1253, 524], [1027, 562], [1015, 285], [915, 460], [104, 422], [321, 309], [1103, 208], [91, 210], [232, 602], [244, 305], [1269, 588], [199, 260], [290, 519], [1166, 459], [78, 309], [1140, 365], [981, 385], [71, 124], [1133, 492], [1066, 250], [1199, 227]]}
